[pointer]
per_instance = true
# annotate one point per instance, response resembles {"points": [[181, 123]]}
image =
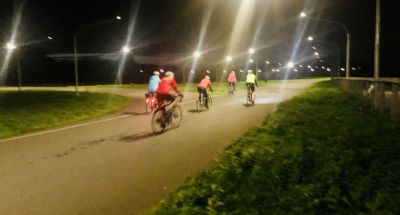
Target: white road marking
{"points": [[73, 126], [65, 128]]}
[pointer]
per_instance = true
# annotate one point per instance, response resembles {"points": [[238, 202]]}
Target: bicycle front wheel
{"points": [[157, 122], [176, 117]]}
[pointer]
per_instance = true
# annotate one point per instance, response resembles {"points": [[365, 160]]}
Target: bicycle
{"points": [[250, 101], [231, 90], [200, 103], [163, 118], [151, 102]]}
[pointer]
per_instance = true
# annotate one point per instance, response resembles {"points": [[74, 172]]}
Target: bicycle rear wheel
{"points": [[148, 106], [157, 122], [209, 100], [176, 117]]}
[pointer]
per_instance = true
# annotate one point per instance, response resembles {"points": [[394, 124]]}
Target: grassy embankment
{"points": [[22, 112], [323, 152]]}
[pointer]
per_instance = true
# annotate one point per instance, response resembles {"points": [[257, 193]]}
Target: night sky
{"points": [[172, 27]]}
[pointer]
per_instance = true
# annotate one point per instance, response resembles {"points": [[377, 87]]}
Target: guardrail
{"points": [[382, 93]]}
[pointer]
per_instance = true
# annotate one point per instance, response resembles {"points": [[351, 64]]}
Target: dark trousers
{"points": [[204, 92]]}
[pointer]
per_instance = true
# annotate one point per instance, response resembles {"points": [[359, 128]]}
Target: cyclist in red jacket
{"points": [[164, 90], [202, 89]]}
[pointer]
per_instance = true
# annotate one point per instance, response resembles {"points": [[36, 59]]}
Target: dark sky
{"points": [[173, 27]]}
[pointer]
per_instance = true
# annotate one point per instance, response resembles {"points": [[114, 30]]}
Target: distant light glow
{"points": [[11, 46], [313, 70], [310, 38], [295, 70], [161, 70], [228, 58], [353, 68], [50, 38], [224, 71], [118, 17], [141, 71], [321, 61], [251, 61], [241, 71], [267, 62], [208, 71], [290, 65], [301, 66], [126, 49], [315, 48], [252, 51], [303, 14], [196, 54], [258, 70], [192, 71], [343, 69], [316, 53], [279, 64]]}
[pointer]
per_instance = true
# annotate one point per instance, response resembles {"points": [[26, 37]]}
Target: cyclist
{"points": [[154, 82], [232, 82], [164, 90], [202, 89], [251, 83]]}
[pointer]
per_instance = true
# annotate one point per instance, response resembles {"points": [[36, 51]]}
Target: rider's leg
{"points": [[205, 94]]}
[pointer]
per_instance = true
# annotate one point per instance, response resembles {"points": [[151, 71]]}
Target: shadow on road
{"points": [[135, 113], [195, 111], [138, 136]]}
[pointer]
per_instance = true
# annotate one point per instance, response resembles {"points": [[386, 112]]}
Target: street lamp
{"points": [[228, 58], [310, 38], [304, 15], [125, 50], [252, 51], [197, 54], [76, 66], [290, 65], [10, 46]]}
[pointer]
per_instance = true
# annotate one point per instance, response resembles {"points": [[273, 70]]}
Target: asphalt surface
{"points": [[115, 165]]}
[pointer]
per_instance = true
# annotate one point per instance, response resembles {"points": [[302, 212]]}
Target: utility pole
{"points": [[377, 38]]}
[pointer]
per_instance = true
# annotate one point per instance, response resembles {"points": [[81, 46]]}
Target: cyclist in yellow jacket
{"points": [[251, 83]]}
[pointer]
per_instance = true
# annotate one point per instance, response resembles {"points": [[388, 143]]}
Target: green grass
{"points": [[323, 152], [22, 112]]}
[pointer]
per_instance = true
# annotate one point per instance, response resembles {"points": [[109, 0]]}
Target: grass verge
{"points": [[323, 152], [22, 112]]}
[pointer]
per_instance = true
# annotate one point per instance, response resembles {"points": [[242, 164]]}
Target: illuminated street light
{"points": [[343, 69], [208, 71], [267, 62], [11, 46], [224, 71], [316, 53], [310, 38], [192, 71], [141, 71], [196, 54], [315, 48], [341, 25], [252, 51], [251, 61], [125, 50], [50, 38], [118, 17], [258, 70], [279, 64], [228, 58], [290, 65]]}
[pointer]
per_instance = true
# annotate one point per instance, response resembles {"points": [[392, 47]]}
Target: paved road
{"points": [[114, 165]]}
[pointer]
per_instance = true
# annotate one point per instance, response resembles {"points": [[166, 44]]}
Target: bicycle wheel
{"points": [[157, 122], [199, 103], [176, 117], [209, 100]]}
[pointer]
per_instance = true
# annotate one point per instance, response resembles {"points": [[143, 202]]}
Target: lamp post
{"points": [[304, 15], [10, 46], [377, 38], [76, 66]]}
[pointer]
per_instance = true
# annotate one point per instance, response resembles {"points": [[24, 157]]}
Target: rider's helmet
{"points": [[169, 73], [156, 73], [207, 77], [249, 71]]}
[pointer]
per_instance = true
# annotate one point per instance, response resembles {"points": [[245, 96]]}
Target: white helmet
{"points": [[249, 71], [169, 73], [156, 73]]}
